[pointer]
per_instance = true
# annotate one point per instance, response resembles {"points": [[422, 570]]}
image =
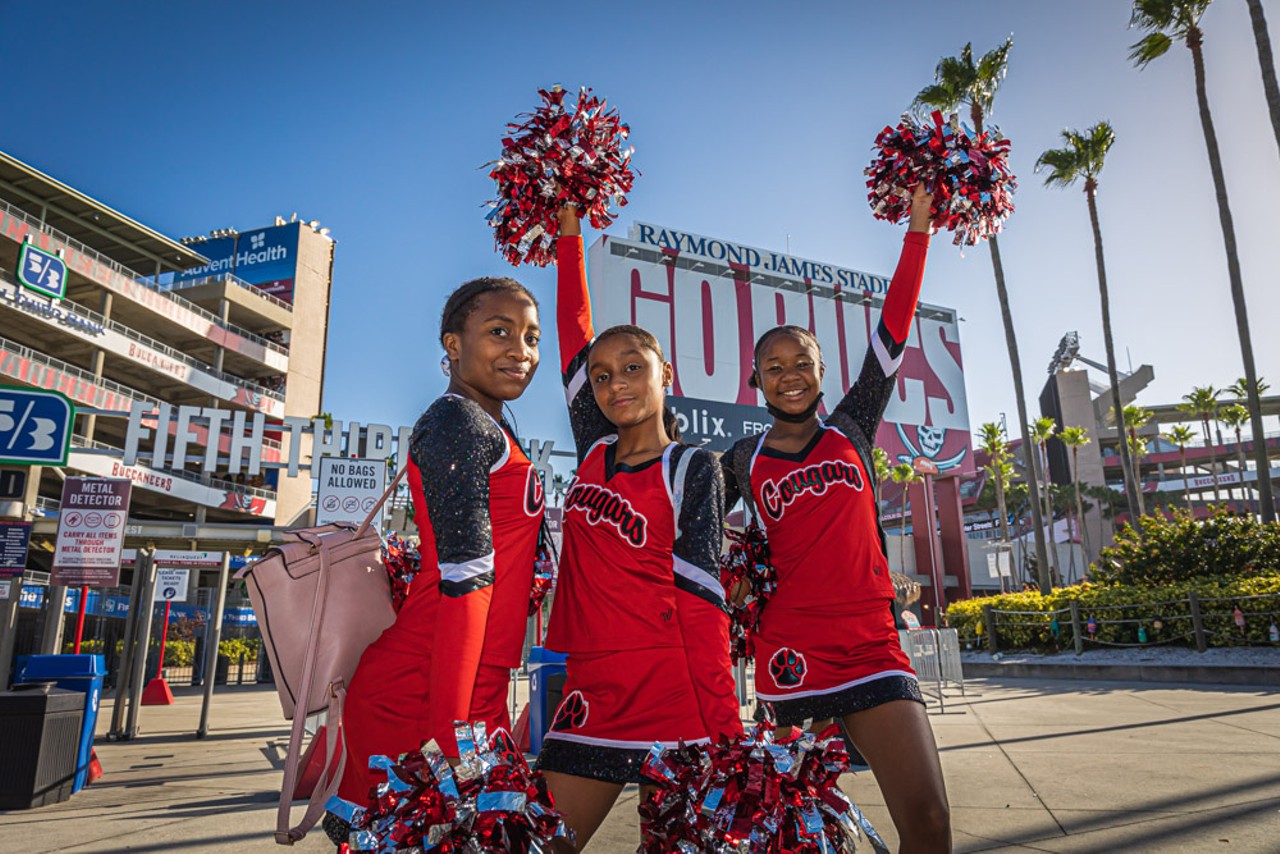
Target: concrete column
{"points": [[955, 551]]}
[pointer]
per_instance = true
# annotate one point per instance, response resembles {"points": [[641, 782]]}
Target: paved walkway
{"points": [[1030, 766]]}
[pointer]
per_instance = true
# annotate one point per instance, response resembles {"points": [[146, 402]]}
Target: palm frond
{"points": [[1151, 48], [937, 96], [1063, 164]]}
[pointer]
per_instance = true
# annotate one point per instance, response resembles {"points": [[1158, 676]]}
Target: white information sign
{"points": [[346, 490], [5, 587], [171, 585], [91, 524]]}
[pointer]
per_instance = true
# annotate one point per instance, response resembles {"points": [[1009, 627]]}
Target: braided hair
{"points": [[796, 331], [464, 298]]}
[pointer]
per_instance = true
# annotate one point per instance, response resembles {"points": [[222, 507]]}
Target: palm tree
{"points": [[1202, 403], [1236, 416], [1084, 156], [991, 436], [906, 475], [1268, 63], [1076, 438], [1042, 430], [1136, 418], [960, 81], [1164, 21], [1180, 435]]}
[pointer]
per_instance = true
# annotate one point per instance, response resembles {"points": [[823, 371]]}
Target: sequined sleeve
{"points": [[698, 493], [865, 402], [575, 332], [455, 446]]}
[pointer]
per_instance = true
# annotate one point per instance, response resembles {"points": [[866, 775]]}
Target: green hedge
{"points": [[179, 653], [1178, 547], [1035, 630]]}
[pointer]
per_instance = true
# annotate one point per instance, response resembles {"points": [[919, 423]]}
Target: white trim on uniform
{"points": [[697, 575], [820, 691], [458, 573], [888, 363], [627, 745]]}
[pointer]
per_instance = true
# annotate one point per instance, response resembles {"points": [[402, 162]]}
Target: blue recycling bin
{"points": [[546, 689], [83, 673]]}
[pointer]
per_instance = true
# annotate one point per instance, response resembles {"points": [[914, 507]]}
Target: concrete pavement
{"points": [[1030, 766]]}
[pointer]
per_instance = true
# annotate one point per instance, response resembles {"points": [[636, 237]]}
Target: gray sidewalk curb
{"points": [[1199, 675]]}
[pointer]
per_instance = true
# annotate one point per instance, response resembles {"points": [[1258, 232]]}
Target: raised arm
{"points": [[575, 331], [455, 447], [704, 622], [865, 402]]}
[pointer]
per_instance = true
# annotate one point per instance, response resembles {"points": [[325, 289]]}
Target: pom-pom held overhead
{"points": [[746, 561], [753, 795], [968, 175], [493, 801], [559, 154]]}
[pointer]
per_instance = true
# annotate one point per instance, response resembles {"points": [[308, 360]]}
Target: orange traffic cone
{"points": [[157, 693], [95, 768]]}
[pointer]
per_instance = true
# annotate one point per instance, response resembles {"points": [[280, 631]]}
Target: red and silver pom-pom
{"points": [[493, 801], [400, 557], [754, 794], [968, 175], [747, 560], [559, 154]]}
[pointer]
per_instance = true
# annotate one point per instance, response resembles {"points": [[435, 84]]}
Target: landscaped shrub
{"points": [[1179, 548]]}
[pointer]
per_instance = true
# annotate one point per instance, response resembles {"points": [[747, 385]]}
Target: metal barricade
{"points": [[935, 657]]}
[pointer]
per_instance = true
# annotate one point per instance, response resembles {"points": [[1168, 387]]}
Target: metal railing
{"points": [[169, 352], [234, 280], [137, 278], [935, 657], [80, 373], [193, 477]]}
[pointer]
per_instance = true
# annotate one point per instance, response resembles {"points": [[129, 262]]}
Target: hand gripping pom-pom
{"points": [[493, 801], [968, 175], [753, 794], [400, 558], [559, 154], [747, 560]]}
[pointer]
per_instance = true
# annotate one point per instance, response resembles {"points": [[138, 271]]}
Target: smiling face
{"points": [[493, 357], [789, 371], [628, 377]]}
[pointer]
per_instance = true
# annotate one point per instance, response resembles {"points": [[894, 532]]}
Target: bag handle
{"points": [[377, 508]]}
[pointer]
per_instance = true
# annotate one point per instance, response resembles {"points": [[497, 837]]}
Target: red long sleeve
{"points": [[573, 303], [904, 289]]}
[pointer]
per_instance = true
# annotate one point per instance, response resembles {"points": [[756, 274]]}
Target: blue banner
{"points": [[117, 607], [266, 257]]}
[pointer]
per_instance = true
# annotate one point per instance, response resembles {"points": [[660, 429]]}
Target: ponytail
{"points": [[671, 422]]}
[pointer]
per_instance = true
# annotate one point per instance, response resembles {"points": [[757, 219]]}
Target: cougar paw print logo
{"points": [[787, 667], [572, 712]]}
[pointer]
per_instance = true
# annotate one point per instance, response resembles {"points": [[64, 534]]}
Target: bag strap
{"points": [[377, 508], [284, 834], [741, 461]]}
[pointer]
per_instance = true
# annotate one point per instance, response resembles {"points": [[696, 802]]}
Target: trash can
{"points": [[39, 735], [546, 690], [84, 673]]}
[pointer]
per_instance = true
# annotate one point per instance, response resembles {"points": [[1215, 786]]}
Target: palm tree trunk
{"points": [[1084, 529], [1186, 480], [1029, 455], [1004, 511], [902, 540], [1267, 62], [1028, 446], [1213, 459], [1142, 506], [1265, 501], [1052, 542], [1113, 376], [1244, 489]]}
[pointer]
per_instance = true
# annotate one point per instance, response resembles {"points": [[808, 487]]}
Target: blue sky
{"points": [[751, 121]]}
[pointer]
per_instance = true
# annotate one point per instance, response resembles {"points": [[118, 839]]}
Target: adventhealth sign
{"points": [[35, 426], [42, 271]]}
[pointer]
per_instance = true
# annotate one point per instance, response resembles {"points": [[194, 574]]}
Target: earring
{"points": [[445, 367]]}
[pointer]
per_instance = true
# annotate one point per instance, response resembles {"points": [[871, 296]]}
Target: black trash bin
{"points": [[39, 742], [221, 668]]}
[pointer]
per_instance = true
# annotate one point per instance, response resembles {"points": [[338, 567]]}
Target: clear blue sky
{"points": [[751, 121]]}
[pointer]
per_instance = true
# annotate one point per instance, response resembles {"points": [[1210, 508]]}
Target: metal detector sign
{"points": [[171, 585], [347, 489], [91, 523]]}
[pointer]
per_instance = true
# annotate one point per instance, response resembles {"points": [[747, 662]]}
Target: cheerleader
{"points": [[478, 503], [638, 606], [827, 646]]}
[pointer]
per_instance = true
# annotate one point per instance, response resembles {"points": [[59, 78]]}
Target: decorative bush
{"points": [[1142, 603], [1178, 547]]}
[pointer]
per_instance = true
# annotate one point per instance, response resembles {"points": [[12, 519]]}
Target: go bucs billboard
{"points": [[707, 300]]}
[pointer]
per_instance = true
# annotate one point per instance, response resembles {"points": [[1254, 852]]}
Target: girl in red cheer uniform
{"points": [[827, 646], [638, 606], [478, 503]]}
